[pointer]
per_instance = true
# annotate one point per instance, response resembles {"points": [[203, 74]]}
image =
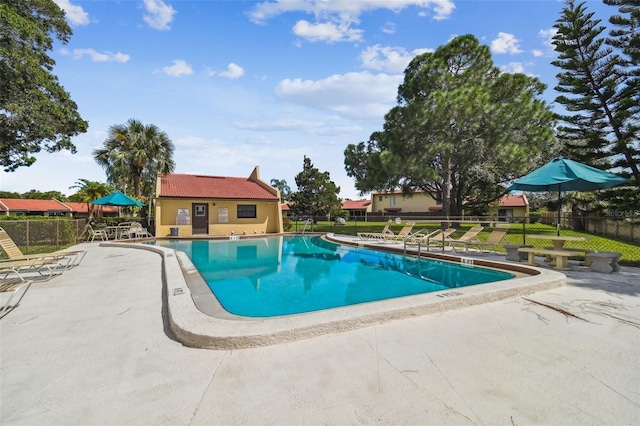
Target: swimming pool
{"points": [[285, 275]]}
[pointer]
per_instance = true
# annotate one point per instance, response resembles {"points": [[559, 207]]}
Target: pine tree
{"points": [[627, 36], [460, 130], [601, 119], [317, 194]]}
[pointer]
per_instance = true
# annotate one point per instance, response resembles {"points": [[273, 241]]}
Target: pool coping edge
{"points": [[196, 329]]}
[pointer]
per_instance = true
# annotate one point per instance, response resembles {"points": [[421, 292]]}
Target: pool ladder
{"points": [[306, 222]]}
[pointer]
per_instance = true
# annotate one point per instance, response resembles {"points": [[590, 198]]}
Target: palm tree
{"points": [[131, 151], [89, 191], [281, 185]]}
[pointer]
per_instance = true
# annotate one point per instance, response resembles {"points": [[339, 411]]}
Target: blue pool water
{"points": [[286, 275]]}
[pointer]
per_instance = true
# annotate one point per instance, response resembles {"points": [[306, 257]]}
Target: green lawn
{"points": [[630, 252]]}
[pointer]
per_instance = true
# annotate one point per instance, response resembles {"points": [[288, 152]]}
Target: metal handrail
{"points": [[419, 241], [305, 224]]}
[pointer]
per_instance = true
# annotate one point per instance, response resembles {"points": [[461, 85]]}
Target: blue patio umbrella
{"points": [[117, 199], [562, 174]]}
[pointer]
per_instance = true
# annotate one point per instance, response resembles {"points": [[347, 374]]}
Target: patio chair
{"points": [[131, 230], [493, 241], [67, 258], [93, 233], [19, 289], [402, 234], [376, 235], [138, 231]]}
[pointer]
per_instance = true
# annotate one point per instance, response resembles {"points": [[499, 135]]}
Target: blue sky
{"points": [[237, 84]]}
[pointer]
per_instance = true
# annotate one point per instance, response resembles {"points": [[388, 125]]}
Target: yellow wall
{"points": [[518, 212], [419, 202], [268, 220]]}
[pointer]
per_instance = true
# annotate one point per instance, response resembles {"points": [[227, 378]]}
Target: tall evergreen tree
{"points": [[600, 125], [627, 34], [316, 194]]}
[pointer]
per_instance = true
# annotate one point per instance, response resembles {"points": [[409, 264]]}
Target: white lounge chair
{"points": [[467, 237], [493, 241], [19, 289], [402, 234], [429, 239], [64, 258], [377, 235]]}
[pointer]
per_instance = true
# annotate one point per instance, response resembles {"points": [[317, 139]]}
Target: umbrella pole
{"points": [[559, 206]]}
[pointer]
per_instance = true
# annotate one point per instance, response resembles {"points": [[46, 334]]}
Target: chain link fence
{"points": [[601, 234], [43, 235]]}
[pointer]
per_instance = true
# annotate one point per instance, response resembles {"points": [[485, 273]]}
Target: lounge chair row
{"points": [[441, 238], [17, 272], [45, 265]]}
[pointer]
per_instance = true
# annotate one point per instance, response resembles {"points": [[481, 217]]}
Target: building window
{"points": [[380, 198], [200, 210], [392, 201], [246, 211]]}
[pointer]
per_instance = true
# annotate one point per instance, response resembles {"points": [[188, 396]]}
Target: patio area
{"points": [[93, 346]]}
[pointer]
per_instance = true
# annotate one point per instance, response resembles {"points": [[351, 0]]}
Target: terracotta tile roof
{"points": [[355, 204], [220, 187], [513, 201], [23, 205], [82, 208]]}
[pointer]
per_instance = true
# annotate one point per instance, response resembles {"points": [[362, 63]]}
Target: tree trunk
{"points": [[446, 187]]}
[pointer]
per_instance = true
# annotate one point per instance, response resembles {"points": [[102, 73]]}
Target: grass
{"points": [[630, 251]]}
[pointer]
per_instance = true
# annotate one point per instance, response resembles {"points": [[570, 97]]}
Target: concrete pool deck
{"points": [[94, 346]]}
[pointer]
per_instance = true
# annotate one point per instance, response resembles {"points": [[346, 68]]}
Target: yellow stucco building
{"points": [[199, 205]]}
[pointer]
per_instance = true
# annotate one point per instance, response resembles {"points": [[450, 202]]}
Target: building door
{"points": [[200, 218]]}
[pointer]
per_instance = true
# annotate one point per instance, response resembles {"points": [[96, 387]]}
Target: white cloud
{"points": [[547, 40], [326, 31], [309, 127], [389, 28], [547, 36], [334, 18], [537, 53], [361, 96], [233, 71], [178, 68], [388, 59], [269, 9], [159, 14], [75, 14], [96, 56], [513, 67], [305, 126], [505, 43], [207, 155]]}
